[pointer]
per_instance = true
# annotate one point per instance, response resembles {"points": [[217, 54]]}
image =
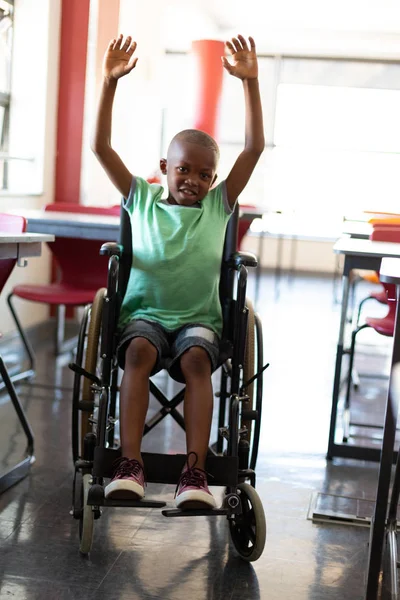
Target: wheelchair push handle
{"points": [[111, 249]]}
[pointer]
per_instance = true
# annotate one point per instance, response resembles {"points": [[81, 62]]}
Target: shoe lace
{"points": [[125, 467], [192, 476]]}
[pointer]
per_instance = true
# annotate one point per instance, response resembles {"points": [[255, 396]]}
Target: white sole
{"points": [[121, 488], [195, 499]]}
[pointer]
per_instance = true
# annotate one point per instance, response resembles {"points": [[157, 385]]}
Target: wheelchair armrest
{"points": [[242, 258], [111, 249]]}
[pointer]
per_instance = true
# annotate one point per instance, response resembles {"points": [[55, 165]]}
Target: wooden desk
{"points": [[19, 246], [358, 254], [74, 225], [22, 245]]}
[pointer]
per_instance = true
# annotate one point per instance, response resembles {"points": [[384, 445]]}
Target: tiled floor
{"points": [[138, 554]]}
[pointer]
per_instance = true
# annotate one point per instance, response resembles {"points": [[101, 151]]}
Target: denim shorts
{"points": [[170, 345]]}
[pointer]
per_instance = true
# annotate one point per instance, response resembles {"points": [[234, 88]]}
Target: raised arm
{"points": [[118, 61], [244, 66]]}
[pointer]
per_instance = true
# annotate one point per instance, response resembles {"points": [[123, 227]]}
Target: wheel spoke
{"points": [[250, 534], [245, 506]]}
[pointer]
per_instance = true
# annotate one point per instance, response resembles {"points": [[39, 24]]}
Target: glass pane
{"points": [[5, 45], [343, 118], [180, 103], [337, 153], [341, 73], [326, 185], [2, 113], [231, 111]]}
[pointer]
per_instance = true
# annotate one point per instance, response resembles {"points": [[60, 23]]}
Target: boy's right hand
{"points": [[118, 59]]}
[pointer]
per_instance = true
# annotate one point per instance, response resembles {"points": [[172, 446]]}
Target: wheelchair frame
{"points": [[230, 468]]}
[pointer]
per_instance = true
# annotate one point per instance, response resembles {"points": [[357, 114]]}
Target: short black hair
{"points": [[196, 136]]}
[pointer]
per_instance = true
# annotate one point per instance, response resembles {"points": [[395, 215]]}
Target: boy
{"points": [[171, 316]]}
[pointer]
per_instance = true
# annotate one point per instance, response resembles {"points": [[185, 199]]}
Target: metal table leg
{"points": [[338, 365], [378, 525], [20, 470]]}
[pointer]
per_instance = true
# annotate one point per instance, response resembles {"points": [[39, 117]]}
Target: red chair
{"points": [[81, 271], [380, 296], [13, 224], [383, 325]]}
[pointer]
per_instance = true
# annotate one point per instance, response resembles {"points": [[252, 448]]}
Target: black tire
{"points": [[248, 368], [76, 394], [88, 358], [253, 364], [255, 437], [248, 530]]}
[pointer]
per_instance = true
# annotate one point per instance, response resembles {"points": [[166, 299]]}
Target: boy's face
{"points": [[190, 171]]}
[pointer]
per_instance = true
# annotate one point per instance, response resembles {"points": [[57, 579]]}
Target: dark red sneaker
{"points": [[192, 490], [127, 482]]}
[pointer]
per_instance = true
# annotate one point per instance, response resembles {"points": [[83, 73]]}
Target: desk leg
{"points": [[20, 470], [338, 366], [379, 520]]}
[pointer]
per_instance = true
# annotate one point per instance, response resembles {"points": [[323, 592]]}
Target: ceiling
{"points": [[342, 15], [359, 27]]}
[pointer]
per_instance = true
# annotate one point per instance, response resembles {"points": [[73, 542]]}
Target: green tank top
{"points": [[177, 253]]}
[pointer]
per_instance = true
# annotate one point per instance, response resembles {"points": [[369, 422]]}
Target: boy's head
{"points": [[190, 166]]}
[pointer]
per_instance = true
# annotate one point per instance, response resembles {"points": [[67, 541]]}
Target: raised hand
{"points": [[244, 59], [118, 59]]}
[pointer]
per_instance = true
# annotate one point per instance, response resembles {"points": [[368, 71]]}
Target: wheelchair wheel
{"points": [[76, 394], [248, 367], [86, 521], [87, 356], [248, 530], [255, 438], [253, 363]]}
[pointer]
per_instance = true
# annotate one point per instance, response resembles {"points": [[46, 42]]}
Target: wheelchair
{"points": [[231, 458]]}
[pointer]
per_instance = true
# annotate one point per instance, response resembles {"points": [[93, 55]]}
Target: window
{"points": [[335, 143], [332, 130], [337, 150], [6, 31]]}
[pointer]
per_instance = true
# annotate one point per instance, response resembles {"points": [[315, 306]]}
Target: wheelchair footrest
{"points": [[130, 503], [166, 468], [177, 512]]}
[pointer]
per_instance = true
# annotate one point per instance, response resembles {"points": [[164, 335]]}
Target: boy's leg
{"points": [[140, 358], [192, 489], [198, 403], [128, 480]]}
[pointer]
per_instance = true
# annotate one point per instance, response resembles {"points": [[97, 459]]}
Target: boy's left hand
{"points": [[245, 65]]}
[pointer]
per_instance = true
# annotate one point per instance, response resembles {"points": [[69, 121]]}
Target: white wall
{"points": [[34, 92], [303, 255], [137, 107]]}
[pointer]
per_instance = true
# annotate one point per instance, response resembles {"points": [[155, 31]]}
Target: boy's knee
{"points": [[140, 354], [195, 362]]}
